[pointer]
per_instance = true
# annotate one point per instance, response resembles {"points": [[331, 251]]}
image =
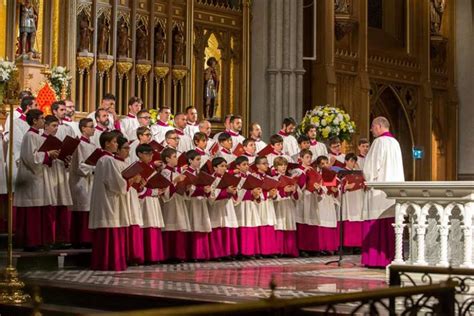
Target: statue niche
{"points": [[142, 43], [104, 34], [28, 26], [178, 47], [436, 15], [85, 33], [211, 88], [160, 45], [123, 41]]}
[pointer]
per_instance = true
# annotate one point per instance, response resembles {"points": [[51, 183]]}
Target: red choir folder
{"points": [[214, 149], [339, 164], [239, 150], [265, 151], [253, 168], [251, 183], [312, 177], [204, 179], [285, 181], [292, 166], [182, 160], [156, 146], [207, 167], [94, 157], [269, 184], [156, 156], [358, 179], [70, 145], [51, 143], [232, 166], [228, 180], [158, 181], [329, 177]]}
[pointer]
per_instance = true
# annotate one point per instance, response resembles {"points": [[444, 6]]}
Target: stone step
{"points": [[48, 260]]}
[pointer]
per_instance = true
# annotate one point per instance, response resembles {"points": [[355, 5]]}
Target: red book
{"points": [[156, 156], [265, 151], [158, 181], [207, 167], [339, 164], [228, 180], [94, 157], [285, 181], [292, 166], [239, 150], [70, 145], [132, 170], [156, 146], [251, 183], [51, 143], [204, 179], [358, 179], [329, 177], [253, 168], [312, 177], [269, 184], [182, 160], [214, 149]]}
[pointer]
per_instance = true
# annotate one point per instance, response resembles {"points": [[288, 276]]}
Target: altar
{"points": [[433, 222]]}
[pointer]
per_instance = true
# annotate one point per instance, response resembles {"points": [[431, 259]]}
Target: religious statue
{"points": [[160, 46], [211, 88], [104, 30], [123, 41], [142, 44], [28, 23], [178, 48], [341, 6], [85, 33], [436, 15]]}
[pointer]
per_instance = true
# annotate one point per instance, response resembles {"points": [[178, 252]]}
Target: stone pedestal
{"points": [[31, 75]]}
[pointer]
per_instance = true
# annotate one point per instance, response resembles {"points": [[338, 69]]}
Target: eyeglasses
{"points": [[145, 117], [89, 126], [147, 134], [175, 138]]}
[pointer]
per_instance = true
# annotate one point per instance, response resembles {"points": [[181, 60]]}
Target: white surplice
{"points": [[318, 149], [20, 127], [81, 177], [175, 213], [128, 126], [159, 130], [111, 120], [290, 145]]}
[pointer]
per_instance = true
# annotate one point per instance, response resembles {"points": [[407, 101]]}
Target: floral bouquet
{"points": [[329, 121], [6, 69], [61, 81]]}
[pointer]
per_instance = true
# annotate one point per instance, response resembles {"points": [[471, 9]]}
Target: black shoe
{"points": [[304, 254]]}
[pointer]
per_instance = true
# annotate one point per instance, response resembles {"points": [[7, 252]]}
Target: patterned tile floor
{"points": [[225, 281]]}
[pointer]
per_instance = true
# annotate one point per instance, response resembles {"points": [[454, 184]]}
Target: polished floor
{"points": [[224, 281]]}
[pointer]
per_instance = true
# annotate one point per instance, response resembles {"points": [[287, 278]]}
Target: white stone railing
{"points": [[438, 218]]}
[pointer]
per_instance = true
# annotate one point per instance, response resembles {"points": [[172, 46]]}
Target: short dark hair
{"points": [[223, 137], [141, 130], [133, 100], [289, 121], [321, 159], [350, 156], [247, 141], [259, 159], [363, 141], [334, 140], [143, 148], [252, 125], [239, 160], [217, 161], [275, 139], [303, 138], [26, 102], [97, 113], [189, 108], [55, 105], [235, 117], [24, 93], [84, 121], [106, 137], [309, 127], [121, 140], [142, 111], [50, 119], [169, 133], [164, 107], [167, 153], [32, 115], [191, 155], [306, 152], [108, 96], [199, 136]]}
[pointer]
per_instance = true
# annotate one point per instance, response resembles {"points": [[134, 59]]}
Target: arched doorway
{"points": [[386, 102]]}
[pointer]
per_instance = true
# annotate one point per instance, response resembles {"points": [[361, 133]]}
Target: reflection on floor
{"points": [[224, 281]]}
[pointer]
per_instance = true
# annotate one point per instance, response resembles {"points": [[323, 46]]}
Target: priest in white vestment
{"points": [[383, 164]]}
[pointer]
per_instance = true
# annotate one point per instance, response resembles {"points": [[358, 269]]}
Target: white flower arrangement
{"points": [[60, 81], [6, 69], [329, 121]]}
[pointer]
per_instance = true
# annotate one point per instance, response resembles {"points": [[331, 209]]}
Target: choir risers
{"points": [[438, 219]]}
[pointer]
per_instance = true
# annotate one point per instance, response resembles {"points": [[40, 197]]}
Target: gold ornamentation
{"points": [[83, 63], [179, 74], [123, 67], [103, 65], [142, 69], [161, 71], [11, 287]]}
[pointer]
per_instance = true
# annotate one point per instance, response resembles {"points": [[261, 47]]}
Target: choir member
{"points": [[303, 143], [81, 178], [284, 203], [102, 123], [192, 124], [143, 117], [277, 144], [33, 201], [19, 112], [225, 144], [143, 136], [200, 144], [129, 124], [255, 133], [185, 141], [234, 130], [383, 164], [250, 148], [205, 127], [108, 105], [69, 117], [363, 147], [223, 238], [175, 214], [153, 221], [59, 111], [108, 215], [317, 148], [335, 151], [172, 140], [226, 126], [198, 211], [290, 145], [162, 125]]}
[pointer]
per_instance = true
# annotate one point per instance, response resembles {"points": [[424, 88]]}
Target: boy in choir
{"points": [[185, 141], [303, 143], [352, 206], [192, 124], [277, 144], [198, 211], [175, 214], [81, 178], [172, 140], [102, 123], [250, 148], [58, 177], [134, 234], [335, 150], [143, 136], [151, 212], [284, 203], [247, 213], [69, 118], [255, 133], [200, 144], [266, 211], [108, 105], [363, 147], [223, 238], [143, 117], [159, 129], [225, 144], [290, 145], [108, 218], [33, 199], [129, 124], [317, 148], [234, 130], [59, 111]]}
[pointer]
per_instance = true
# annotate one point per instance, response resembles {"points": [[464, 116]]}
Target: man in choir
{"points": [[108, 104], [185, 141], [363, 147], [161, 126], [383, 164], [69, 117], [255, 133], [206, 127], [102, 123], [226, 126], [234, 131], [129, 124], [18, 111], [33, 201], [317, 148], [59, 110], [290, 145], [192, 124]]}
